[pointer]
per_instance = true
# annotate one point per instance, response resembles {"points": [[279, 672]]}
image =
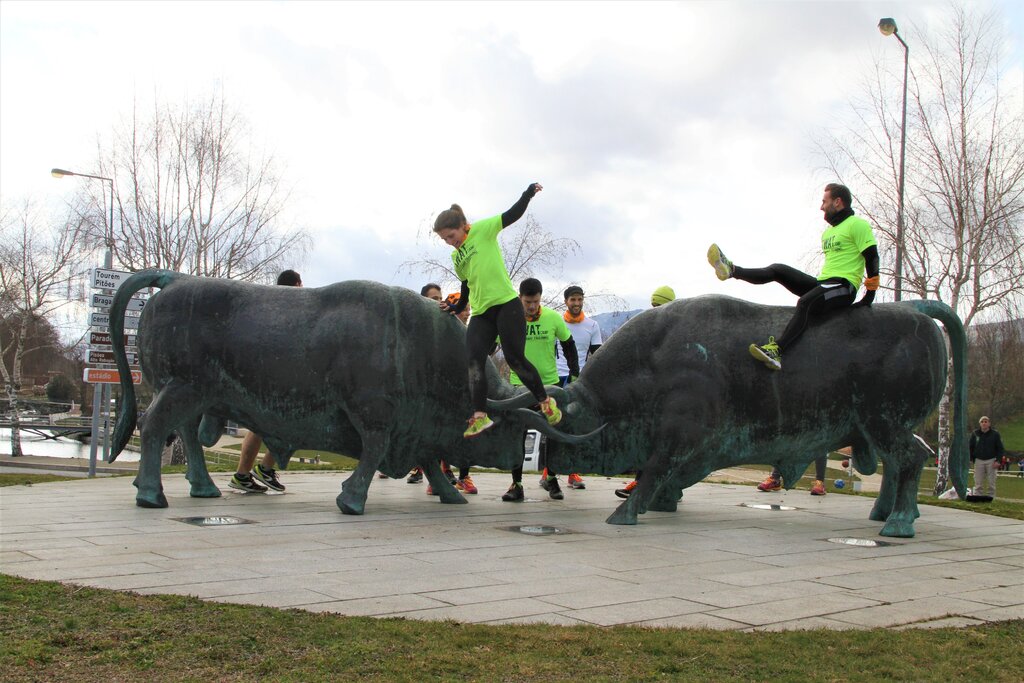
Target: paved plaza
{"points": [[715, 563]]}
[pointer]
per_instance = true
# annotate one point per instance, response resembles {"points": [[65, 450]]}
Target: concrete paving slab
{"points": [[710, 564]]}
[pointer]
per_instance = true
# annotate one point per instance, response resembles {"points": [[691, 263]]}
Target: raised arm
{"points": [[517, 210]]}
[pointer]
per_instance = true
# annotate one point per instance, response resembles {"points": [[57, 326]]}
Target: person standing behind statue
{"points": [[431, 291], [543, 327], [659, 297], [245, 477], [986, 450], [849, 247], [773, 482], [587, 335], [497, 311]]}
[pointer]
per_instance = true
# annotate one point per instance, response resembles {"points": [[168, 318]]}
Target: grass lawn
{"points": [[53, 631]]}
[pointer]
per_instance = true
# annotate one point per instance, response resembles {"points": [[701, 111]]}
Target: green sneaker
{"points": [[722, 265], [768, 354], [551, 411], [477, 425]]}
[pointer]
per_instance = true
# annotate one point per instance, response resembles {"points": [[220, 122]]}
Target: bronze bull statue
{"points": [[682, 398], [359, 368]]}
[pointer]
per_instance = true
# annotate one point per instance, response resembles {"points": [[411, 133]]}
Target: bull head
{"points": [[518, 406]]}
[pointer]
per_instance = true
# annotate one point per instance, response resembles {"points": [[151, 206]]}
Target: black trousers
{"points": [[508, 321], [816, 296]]}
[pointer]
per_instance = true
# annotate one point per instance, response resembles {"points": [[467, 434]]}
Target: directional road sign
{"points": [[105, 301], [102, 278], [105, 376], [97, 338], [102, 321], [95, 356]]}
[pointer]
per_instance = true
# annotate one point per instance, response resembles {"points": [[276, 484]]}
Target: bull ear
{"points": [[536, 421]]}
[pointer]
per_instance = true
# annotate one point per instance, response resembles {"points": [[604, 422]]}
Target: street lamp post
{"points": [[100, 395], [888, 28]]}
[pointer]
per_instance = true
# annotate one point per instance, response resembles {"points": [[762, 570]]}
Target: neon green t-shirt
{"points": [[480, 263], [842, 245], [540, 344]]}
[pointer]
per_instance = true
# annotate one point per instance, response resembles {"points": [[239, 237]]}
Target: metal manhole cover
{"points": [[860, 542], [213, 521], [768, 506], [537, 530]]}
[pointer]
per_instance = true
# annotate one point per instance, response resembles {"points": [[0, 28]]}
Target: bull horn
{"points": [[518, 401], [539, 423]]}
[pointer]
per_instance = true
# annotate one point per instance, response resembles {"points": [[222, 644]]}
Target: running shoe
{"points": [[819, 488], [625, 491], [268, 475], [769, 484], [543, 478], [415, 477], [768, 354], [551, 411], [477, 425], [576, 481], [722, 265], [514, 493], [245, 482], [381, 475], [554, 490], [466, 485]]}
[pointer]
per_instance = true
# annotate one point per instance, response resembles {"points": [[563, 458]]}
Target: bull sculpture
{"points": [[681, 398], [374, 372]]}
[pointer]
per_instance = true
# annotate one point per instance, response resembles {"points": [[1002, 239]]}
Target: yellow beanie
{"points": [[662, 295]]}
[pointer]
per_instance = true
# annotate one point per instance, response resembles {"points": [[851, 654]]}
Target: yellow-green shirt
{"points": [[540, 344], [479, 262], [842, 245]]}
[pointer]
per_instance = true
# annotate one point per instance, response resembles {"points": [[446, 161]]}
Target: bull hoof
{"points": [[210, 491], [457, 499], [898, 529], [159, 502], [620, 516], [349, 507]]}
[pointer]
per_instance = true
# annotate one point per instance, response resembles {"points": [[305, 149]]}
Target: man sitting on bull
{"points": [[849, 247]]}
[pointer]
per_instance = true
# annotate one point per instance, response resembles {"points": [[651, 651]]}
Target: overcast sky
{"points": [[655, 128]]}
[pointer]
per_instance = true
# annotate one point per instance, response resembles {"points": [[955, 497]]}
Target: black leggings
{"points": [[508, 321], [816, 296]]}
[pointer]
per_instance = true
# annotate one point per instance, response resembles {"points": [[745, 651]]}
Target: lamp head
{"points": [[887, 26], [59, 172]]}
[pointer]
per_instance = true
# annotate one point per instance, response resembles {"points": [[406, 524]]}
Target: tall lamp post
{"points": [[888, 27], [101, 394]]}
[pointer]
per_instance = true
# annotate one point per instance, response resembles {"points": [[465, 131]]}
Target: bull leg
{"points": [[906, 467], [446, 492], [171, 408], [197, 474], [667, 497], [352, 499]]}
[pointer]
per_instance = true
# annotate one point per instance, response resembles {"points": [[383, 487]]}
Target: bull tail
{"points": [[958, 345], [126, 411]]}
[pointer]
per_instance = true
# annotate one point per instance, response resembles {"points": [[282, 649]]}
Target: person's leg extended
{"points": [[480, 336], [796, 281]]}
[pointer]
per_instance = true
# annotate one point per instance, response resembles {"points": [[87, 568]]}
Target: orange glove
{"points": [[871, 283]]}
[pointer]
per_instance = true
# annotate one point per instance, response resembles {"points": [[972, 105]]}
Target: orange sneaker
{"points": [[466, 485], [576, 481], [625, 491], [819, 488], [770, 484]]}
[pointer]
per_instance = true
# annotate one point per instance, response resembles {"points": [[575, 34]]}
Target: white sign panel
{"points": [[102, 320], [105, 301], [101, 278]]}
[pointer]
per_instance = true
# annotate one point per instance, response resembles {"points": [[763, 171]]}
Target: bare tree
{"points": [[193, 196], [963, 241], [37, 267], [997, 368]]}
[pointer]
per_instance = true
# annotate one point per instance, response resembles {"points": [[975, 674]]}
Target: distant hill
{"points": [[610, 322]]}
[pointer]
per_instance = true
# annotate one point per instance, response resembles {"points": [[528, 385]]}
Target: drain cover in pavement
{"points": [[533, 530], [767, 506], [860, 542], [213, 521]]}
